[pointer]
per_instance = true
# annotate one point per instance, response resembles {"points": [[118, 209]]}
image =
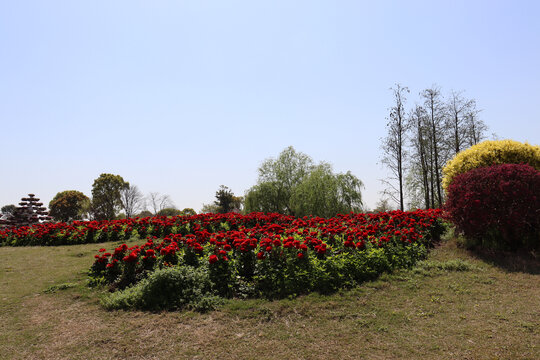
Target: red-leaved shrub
{"points": [[497, 206]]}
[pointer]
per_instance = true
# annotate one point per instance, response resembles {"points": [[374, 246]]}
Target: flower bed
{"points": [[270, 255], [82, 232]]}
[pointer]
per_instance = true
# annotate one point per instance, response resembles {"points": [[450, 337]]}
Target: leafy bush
{"points": [[489, 153], [170, 288], [497, 206]]}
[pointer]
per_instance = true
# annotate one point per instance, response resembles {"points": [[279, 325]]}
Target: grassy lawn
{"points": [[453, 306]]}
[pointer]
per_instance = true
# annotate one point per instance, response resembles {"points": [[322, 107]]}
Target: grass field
{"points": [[455, 305]]}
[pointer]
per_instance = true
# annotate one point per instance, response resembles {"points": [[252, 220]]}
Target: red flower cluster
{"points": [[80, 232], [269, 236]]}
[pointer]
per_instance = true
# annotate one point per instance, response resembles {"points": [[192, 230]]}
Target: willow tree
{"points": [[323, 193], [277, 180], [292, 185]]}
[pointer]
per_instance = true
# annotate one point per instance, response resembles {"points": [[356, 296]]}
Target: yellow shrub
{"points": [[489, 153]]}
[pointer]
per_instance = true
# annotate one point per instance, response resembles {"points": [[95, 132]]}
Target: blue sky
{"points": [[180, 97]]}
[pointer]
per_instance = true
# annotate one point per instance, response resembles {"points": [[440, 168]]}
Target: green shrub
{"points": [[490, 153], [281, 275], [170, 288]]}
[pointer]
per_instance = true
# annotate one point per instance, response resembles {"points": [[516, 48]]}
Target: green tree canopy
{"points": [[69, 205], [293, 185], [8, 209], [145, 213], [226, 201], [210, 208], [326, 194], [188, 212], [106, 200], [277, 180], [170, 211]]}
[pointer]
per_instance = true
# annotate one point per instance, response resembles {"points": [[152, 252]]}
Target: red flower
{"points": [[132, 257], [260, 255], [213, 259], [300, 255]]}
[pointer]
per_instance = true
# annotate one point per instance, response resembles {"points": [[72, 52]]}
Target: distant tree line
{"points": [[421, 139], [112, 198], [291, 184]]}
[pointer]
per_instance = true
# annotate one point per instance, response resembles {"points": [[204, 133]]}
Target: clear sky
{"points": [[179, 97]]}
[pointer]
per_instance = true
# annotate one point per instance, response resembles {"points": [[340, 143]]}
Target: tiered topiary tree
{"points": [[30, 211]]}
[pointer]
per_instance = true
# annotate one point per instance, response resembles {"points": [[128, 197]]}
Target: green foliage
{"points": [[263, 197], [169, 212], [222, 275], [145, 213], [69, 205], [170, 288], [224, 199], [281, 276], [293, 185], [490, 153], [322, 193], [106, 199], [188, 212], [54, 288], [209, 209], [8, 209], [277, 180]]}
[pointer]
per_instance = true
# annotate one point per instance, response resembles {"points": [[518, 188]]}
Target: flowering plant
{"points": [[276, 255]]}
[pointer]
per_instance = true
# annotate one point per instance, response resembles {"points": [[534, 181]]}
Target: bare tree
{"points": [[476, 128], [383, 205], [436, 114], [132, 200], [420, 144], [158, 202], [459, 109], [431, 133], [394, 146]]}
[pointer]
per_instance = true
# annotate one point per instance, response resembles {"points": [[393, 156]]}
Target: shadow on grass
{"points": [[519, 261]]}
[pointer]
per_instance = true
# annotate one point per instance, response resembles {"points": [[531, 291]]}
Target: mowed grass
{"points": [[455, 305]]}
